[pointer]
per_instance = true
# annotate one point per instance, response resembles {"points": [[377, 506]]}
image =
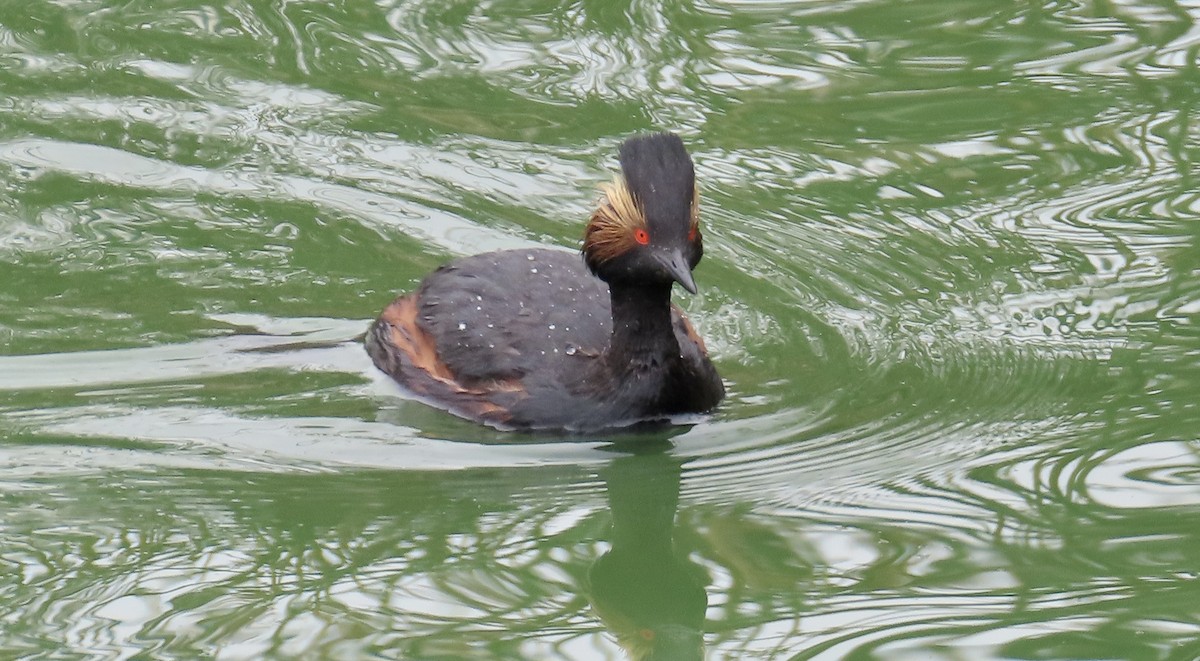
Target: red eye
{"points": [[641, 236]]}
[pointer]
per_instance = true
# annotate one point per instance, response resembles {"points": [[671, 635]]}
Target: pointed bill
{"points": [[678, 267]]}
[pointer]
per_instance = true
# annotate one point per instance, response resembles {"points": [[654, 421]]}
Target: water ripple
{"points": [[950, 278]]}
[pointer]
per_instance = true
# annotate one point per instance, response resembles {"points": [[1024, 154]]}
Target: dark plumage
{"points": [[531, 339]]}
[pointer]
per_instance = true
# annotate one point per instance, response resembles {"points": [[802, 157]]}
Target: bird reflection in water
{"points": [[649, 595]]}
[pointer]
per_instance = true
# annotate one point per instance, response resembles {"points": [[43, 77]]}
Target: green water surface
{"points": [[951, 279]]}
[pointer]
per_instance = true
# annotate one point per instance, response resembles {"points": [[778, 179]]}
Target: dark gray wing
{"points": [[504, 314]]}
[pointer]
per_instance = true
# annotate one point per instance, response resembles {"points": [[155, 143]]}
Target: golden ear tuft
{"points": [[626, 210], [614, 223], [695, 216]]}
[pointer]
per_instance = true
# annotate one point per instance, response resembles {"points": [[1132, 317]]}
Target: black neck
{"points": [[641, 328]]}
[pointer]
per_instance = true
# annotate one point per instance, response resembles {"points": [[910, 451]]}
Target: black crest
{"points": [[659, 173]]}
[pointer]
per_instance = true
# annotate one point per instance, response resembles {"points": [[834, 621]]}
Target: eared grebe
{"points": [[529, 339]]}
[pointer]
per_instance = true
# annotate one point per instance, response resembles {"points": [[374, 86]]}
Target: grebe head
{"points": [[646, 229]]}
